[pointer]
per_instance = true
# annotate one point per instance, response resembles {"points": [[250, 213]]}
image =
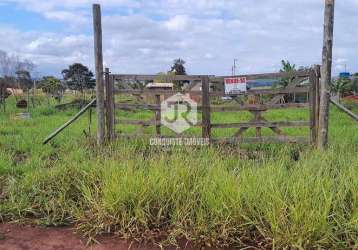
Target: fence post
{"points": [[114, 122], [109, 106], [312, 101], [158, 116], [318, 98], [206, 118], [326, 73], [97, 26], [3, 99]]}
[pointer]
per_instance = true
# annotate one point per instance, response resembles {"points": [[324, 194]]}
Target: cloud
{"points": [[144, 36], [177, 23], [49, 51], [66, 16]]}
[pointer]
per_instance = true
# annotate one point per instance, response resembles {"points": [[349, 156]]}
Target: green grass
{"points": [[255, 195]]}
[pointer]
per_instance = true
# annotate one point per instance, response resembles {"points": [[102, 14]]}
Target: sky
{"points": [[145, 36]]}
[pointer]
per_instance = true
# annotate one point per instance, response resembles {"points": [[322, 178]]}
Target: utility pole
{"points": [[326, 73], [235, 60]]}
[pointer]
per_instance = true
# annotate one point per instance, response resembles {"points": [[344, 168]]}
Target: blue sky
{"points": [[144, 36], [24, 20]]}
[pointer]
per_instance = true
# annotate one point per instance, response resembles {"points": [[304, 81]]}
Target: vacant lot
{"points": [[253, 195]]}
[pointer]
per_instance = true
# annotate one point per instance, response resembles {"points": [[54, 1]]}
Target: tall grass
{"points": [[258, 196]]}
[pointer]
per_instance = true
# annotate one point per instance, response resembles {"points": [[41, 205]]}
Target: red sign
{"points": [[235, 80], [235, 85]]}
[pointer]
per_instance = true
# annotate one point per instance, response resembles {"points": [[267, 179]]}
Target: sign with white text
{"points": [[235, 85]]}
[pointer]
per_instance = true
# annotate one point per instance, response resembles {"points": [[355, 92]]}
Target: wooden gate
{"points": [[301, 83]]}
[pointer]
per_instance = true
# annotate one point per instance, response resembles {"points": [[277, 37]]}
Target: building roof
{"points": [[261, 83], [160, 85]]}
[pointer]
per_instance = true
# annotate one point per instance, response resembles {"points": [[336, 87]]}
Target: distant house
{"points": [[344, 75], [160, 86], [261, 83], [150, 98], [195, 88]]}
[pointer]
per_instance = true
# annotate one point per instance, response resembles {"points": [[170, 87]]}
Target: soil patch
{"points": [[26, 237], [351, 98], [19, 157]]}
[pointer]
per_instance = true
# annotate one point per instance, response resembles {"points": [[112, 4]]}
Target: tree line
{"points": [[340, 86], [16, 72]]}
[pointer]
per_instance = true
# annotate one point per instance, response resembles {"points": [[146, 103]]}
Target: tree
{"points": [[353, 87], [178, 67], [340, 86], [24, 79], [290, 69], [79, 77], [15, 72], [4, 64], [163, 77], [4, 93], [25, 65], [10, 64], [52, 87], [138, 85]]}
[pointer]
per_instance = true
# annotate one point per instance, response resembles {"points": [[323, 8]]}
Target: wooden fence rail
{"points": [[215, 108], [262, 124], [138, 77], [278, 91]]}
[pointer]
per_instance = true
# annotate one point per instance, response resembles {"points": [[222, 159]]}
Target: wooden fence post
{"points": [[3, 99], [110, 117], [97, 26], [313, 107], [158, 116], [326, 73], [206, 118], [111, 82], [318, 98]]}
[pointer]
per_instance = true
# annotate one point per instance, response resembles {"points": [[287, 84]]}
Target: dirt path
{"points": [[29, 237]]}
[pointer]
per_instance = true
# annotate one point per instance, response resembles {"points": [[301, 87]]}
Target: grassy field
{"points": [[252, 195]]}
